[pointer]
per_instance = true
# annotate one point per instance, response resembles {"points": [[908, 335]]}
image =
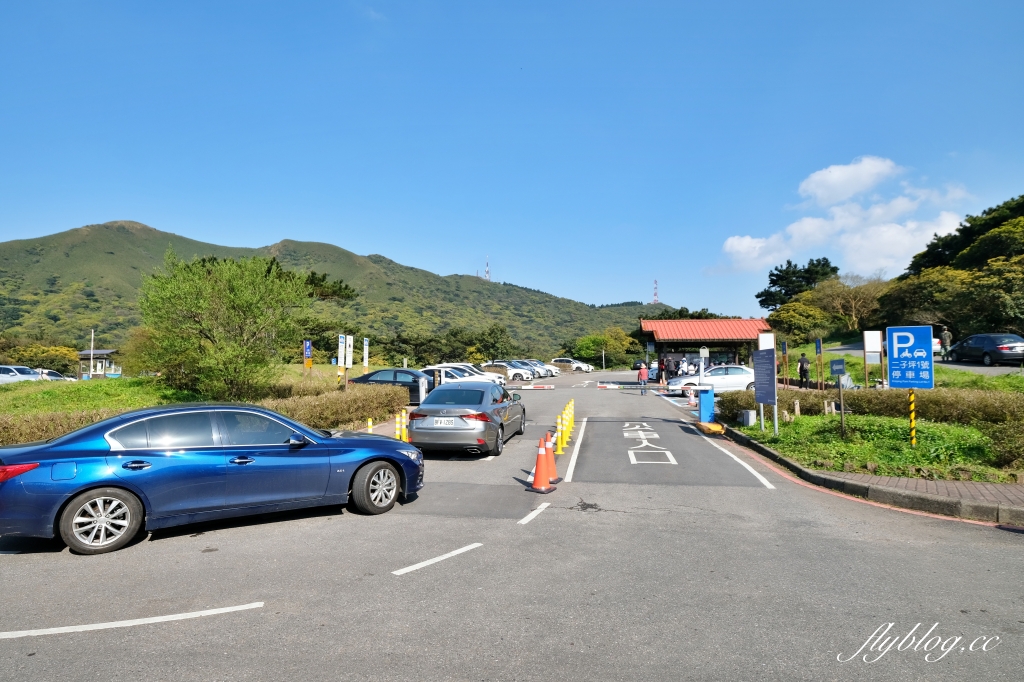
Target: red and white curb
{"points": [[536, 387]]}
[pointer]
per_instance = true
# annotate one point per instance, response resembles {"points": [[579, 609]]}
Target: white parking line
{"points": [[428, 562], [745, 465], [129, 623], [575, 452], [532, 515]]}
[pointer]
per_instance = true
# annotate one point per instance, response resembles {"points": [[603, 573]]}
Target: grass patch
{"points": [[881, 445], [35, 397], [945, 377]]}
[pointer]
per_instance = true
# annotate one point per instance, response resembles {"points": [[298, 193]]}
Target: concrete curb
{"points": [[975, 510]]}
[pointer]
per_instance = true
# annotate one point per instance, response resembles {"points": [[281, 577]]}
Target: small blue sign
{"points": [[837, 368], [765, 383], [307, 349], [911, 364], [817, 346], [785, 348]]}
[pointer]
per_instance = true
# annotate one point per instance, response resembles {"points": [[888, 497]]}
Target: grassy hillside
{"points": [[63, 285]]}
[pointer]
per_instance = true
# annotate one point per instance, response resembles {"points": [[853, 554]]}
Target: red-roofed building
{"points": [[728, 341]]}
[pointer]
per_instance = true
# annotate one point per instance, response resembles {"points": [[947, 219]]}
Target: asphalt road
{"points": [[696, 569]]}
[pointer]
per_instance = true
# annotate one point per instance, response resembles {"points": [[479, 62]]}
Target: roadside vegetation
{"points": [[38, 410], [962, 434]]}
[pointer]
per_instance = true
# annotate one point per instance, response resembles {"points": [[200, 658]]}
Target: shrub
{"points": [[58, 358], [28, 428], [340, 409], [331, 410], [938, 405]]}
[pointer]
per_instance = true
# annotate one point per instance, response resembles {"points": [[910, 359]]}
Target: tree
{"points": [[58, 358], [800, 319], [1006, 241], [850, 299], [943, 250], [788, 280], [217, 326], [686, 314], [320, 288]]}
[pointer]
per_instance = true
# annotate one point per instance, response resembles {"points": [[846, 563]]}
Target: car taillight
{"points": [[417, 415], [11, 470], [477, 416], [1002, 348]]}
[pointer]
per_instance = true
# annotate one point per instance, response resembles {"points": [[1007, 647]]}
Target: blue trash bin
{"points": [[706, 405]]}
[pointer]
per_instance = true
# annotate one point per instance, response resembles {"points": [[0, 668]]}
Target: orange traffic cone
{"points": [[541, 475], [549, 456]]}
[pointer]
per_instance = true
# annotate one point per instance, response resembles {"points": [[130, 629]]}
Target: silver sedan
{"points": [[474, 417]]}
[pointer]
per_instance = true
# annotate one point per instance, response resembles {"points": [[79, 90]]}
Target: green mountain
{"points": [[60, 286]]}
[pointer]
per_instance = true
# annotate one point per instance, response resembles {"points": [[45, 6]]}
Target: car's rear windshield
{"points": [[24, 370], [1007, 338], [454, 396]]}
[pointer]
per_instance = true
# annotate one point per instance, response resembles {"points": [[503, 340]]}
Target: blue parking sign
{"points": [[910, 357], [307, 349], [837, 368]]}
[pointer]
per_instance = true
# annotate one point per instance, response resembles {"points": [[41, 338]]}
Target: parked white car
{"points": [[723, 378], [473, 369], [550, 370], [577, 366], [514, 373], [51, 375], [450, 374], [542, 370], [12, 373]]}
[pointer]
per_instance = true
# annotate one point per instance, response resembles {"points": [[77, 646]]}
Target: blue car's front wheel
{"points": [[101, 520], [375, 488]]}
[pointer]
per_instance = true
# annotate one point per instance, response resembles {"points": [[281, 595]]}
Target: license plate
{"points": [[444, 421]]}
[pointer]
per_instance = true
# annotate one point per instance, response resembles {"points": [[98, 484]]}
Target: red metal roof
{"points": [[705, 330]]}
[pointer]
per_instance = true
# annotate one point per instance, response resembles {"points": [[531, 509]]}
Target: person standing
{"points": [[946, 339], [641, 378], [804, 367]]}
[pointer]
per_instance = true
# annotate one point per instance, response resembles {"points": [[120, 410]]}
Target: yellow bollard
{"points": [[398, 427], [369, 425], [566, 429], [559, 436], [405, 425]]}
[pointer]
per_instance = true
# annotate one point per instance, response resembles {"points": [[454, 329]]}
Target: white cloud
{"points": [[890, 246], [881, 234], [754, 253], [838, 183]]}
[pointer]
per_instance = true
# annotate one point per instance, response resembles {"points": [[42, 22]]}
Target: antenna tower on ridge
{"points": [[655, 293], [487, 269]]}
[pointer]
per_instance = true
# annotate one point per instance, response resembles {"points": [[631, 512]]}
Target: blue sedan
{"points": [[154, 468]]}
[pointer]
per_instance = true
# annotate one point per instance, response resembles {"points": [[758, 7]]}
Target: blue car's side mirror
{"points": [[296, 439]]}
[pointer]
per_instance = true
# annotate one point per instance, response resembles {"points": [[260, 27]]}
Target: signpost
{"points": [[765, 384], [307, 354], [872, 353], [704, 355], [837, 368], [366, 354], [342, 373], [785, 363], [911, 365], [349, 343], [819, 365]]}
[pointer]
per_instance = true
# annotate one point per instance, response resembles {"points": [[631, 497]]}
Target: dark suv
{"points": [[989, 349]]}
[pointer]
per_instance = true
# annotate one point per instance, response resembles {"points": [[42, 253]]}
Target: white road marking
{"points": [[428, 562], [488, 458], [129, 623], [532, 515], [640, 434], [744, 464], [633, 460], [575, 452]]}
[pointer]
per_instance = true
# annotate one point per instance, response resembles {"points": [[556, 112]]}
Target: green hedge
{"points": [[332, 410], [938, 405]]}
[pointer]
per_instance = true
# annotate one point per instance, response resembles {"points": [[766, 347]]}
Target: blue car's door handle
{"points": [[136, 465], [242, 460]]}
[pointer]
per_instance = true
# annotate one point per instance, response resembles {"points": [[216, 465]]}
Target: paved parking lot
{"points": [[667, 555]]}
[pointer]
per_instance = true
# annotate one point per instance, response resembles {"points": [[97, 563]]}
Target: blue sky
{"points": [[588, 148]]}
